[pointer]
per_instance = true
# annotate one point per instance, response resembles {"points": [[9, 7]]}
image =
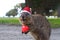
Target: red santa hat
{"points": [[26, 9]]}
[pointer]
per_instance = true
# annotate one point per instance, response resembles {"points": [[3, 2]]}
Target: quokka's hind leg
{"points": [[41, 38]]}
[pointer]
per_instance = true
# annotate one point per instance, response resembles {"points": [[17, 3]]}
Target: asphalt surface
{"points": [[11, 32]]}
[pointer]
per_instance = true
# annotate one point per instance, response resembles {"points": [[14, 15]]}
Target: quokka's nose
{"points": [[23, 18]]}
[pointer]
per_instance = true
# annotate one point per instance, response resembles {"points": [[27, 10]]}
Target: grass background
{"points": [[9, 20], [55, 23]]}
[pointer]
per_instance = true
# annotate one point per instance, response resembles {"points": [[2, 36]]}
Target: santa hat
{"points": [[26, 9]]}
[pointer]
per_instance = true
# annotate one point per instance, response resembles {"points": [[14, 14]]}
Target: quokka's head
{"points": [[26, 19]]}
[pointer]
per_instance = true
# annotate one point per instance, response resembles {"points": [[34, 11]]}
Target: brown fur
{"points": [[39, 27]]}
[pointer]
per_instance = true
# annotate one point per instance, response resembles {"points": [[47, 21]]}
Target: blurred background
{"points": [[10, 10], [10, 26]]}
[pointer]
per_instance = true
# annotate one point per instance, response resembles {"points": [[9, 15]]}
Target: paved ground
{"points": [[10, 32]]}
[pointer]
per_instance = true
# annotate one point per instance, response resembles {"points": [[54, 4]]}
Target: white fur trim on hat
{"points": [[25, 11]]}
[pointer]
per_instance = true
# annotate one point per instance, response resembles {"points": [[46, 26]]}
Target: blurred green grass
{"points": [[9, 20], [55, 23]]}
